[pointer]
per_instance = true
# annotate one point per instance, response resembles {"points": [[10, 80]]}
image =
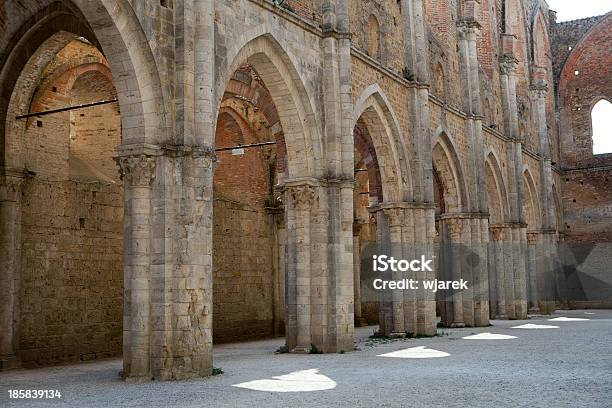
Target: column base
{"points": [[397, 335], [501, 317], [301, 350], [457, 325], [9, 362]]}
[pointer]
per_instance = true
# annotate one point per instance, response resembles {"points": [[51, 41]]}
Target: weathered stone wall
{"points": [[72, 276]]}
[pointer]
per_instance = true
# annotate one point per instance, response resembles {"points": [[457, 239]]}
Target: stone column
{"points": [[138, 173], [455, 232], [10, 267], [299, 202], [359, 321], [532, 242], [497, 272], [395, 217], [519, 238]]}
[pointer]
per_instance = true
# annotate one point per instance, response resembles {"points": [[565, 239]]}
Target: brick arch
{"points": [[450, 175], [531, 202], [566, 76], [386, 140], [112, 26], [277, 71], [497, 195], [365, 147]]}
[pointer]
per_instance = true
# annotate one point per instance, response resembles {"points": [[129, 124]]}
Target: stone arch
{"points": [[116, 30], [274, 65], [540, 42], [566, 72], [391, 152], [497, 196], [531, 202], [450, 174]]}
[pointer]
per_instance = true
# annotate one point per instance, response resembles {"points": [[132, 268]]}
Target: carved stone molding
{"points": [[137, 171], [302, 197], [497, 234], [455, 227], [508, 65], [532, 238]]}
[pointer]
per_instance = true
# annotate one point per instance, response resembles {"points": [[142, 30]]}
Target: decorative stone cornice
{"points": [[137, 171]]}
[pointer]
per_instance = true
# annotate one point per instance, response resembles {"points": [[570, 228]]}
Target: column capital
{"points": [[539, 90], [508, 65], [301, 196], [455, 227], [468, 29], [137, 170], [497, 233]]}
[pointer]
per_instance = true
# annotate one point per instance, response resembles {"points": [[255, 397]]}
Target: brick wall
{"points": [[584, 78]]}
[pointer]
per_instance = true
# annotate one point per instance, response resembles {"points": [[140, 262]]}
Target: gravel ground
{"points": [[566, 367]]}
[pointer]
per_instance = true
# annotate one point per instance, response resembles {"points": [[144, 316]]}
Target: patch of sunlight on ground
{"points": [[489, 336], [568, 319], [535, 326], [297, 381], [416, 352]]}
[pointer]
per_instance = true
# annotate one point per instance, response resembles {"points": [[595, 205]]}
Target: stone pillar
{"points": [[497, 272], [138, 173], [532, 242], [299, 202], [395, 217], [10, 267], [359, 321], [455, 234], [278, 259], [519, 238]]}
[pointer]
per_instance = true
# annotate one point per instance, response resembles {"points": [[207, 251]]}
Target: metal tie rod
{"points": [[222, 149], [68, 108]]}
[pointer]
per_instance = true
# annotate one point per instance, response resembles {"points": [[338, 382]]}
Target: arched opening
{"points": [[63, 220], [601, 124], [449, 202], [367, 194], [264, 90], [71, 216], [248, 224], [383, 185], [501, 276]]}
